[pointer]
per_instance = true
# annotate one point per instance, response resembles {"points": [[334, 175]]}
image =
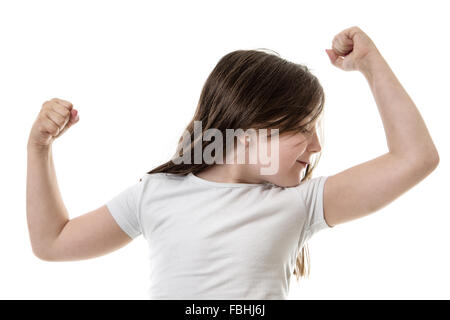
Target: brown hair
{"points": [[255, 89]]}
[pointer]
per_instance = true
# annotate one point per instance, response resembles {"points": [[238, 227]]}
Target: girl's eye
{"points": [[309, 129]]}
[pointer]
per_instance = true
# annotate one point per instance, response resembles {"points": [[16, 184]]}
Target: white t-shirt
{"points": [[211, 240]]}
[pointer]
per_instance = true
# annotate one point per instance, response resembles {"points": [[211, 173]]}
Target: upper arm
{"points": [[90, 235], [100, 231], [368, 187]]}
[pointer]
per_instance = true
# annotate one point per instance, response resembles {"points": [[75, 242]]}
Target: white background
{"points": [[135, 69]]}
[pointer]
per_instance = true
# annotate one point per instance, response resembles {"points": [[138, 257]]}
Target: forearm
{"points": [[406, 133], [46, 213]]}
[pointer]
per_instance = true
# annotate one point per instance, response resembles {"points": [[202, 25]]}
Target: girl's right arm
{"points": [[55, 237]]}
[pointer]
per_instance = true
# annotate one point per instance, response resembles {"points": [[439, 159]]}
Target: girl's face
{"points": [[292, 149]]}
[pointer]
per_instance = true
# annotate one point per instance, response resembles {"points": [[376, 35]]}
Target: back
{"points": [[210, 240]]}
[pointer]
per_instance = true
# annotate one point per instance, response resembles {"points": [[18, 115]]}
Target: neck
{"points": [[230, 173]]}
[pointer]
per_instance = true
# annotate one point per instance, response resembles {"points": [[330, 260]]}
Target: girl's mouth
{"points": [[302, 163]]}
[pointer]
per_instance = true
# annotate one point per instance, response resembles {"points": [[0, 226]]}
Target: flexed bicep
{"points": [[90, 235], [370, 186]]}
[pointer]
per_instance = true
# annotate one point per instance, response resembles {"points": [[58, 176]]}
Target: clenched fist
{"points": [[55, 117], [352, 50]]}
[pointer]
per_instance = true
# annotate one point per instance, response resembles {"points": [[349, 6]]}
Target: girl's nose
{"points": [[314, 143]]}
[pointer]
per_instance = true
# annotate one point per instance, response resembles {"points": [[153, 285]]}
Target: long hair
{"points": [[255, 89]]}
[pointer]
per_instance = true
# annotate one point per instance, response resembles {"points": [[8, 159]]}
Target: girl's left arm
{"points": [[370, 186]]}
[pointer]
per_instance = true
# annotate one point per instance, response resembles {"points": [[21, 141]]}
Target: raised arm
{"points": [[369, 186], [55, 237]]}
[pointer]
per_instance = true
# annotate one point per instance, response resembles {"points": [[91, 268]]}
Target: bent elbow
{"points": [[430, 164], [436, 160], [433, 161], [433, 157], [43, 254], [425, 161]]}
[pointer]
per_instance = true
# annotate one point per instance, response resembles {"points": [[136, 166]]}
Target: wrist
{"points": [[38, 148], [372, 64]]}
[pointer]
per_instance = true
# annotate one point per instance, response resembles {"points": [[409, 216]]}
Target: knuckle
{"points": [[65, 111], [49, 105], [59, 124], [62, 111], [48, 120], [57, 118], [46, 105], [337, 41], [65, 103], [54, 128]]}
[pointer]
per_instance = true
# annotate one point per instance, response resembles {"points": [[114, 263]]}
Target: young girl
{"points": [[226, 230]]}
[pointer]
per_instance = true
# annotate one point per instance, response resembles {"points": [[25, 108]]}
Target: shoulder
{"points": [[310, 187], [161, 180], [161, 176]]}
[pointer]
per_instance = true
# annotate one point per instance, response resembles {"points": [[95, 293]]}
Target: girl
{"points": [[226, 230]]}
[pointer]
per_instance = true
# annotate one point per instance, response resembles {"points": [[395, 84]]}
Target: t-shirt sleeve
{"points": [[124, 207], [311, 193]]}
